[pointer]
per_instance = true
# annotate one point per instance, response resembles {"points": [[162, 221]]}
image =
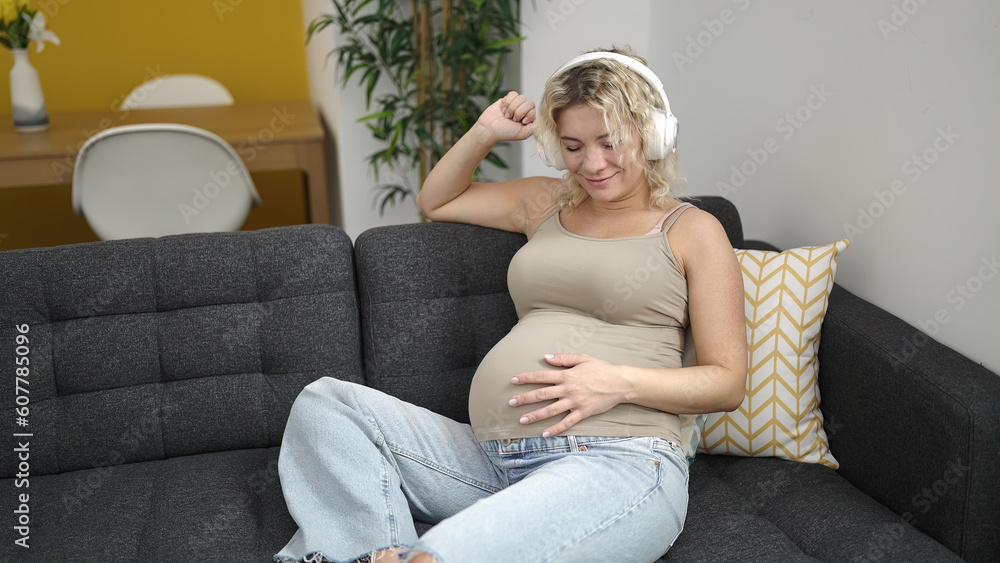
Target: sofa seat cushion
{"points": [[179, 509], [771, 509]]}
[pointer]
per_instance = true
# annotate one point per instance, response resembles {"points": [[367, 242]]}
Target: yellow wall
{"points": [[257, 49]]}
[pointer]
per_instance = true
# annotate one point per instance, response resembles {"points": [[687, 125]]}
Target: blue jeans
{"points": [[357, 466]]}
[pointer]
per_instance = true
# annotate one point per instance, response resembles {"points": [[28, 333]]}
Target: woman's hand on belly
{"points": [[587, 387]]}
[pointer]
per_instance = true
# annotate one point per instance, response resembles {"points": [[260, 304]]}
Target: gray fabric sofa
{"points": [[161, 371]]}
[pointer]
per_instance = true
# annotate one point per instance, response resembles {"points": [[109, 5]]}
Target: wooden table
{"points": [[266, 135]]}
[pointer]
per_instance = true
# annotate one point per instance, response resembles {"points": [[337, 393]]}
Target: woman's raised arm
{"points": [[449, 194]]}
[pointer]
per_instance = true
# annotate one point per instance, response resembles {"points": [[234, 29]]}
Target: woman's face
{"points": [[603, 166]]}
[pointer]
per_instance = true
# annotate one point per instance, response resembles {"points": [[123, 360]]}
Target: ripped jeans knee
{"points": [[420, 554]]}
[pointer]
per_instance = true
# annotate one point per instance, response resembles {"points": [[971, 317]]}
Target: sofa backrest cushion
{"points": [[434, 300], [145, 349]]}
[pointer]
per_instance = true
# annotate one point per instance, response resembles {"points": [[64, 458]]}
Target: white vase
{"points": [[26, 95]]}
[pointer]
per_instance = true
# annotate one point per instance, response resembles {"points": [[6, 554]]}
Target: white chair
{"points": [[156, 179], [178, 90]]}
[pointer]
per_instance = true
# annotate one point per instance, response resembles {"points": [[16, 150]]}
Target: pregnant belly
{"points": [[553, 332]]}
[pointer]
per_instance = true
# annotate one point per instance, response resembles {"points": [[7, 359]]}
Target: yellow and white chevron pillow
{"points": [[786, 299]]}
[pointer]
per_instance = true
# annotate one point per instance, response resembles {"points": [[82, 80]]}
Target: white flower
{"points": [[38, 33]]}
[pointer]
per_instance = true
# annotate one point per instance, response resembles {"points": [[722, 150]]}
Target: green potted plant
{"points": [[444, 62]]}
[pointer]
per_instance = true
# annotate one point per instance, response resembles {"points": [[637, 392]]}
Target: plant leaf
{"points": [[377, 115], [504, 42], [317, 25]]}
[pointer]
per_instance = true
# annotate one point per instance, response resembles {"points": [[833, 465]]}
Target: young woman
{"points": [[572, 453]]}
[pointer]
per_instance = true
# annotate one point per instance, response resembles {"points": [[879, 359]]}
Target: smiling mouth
{"points": [[599, 181]]}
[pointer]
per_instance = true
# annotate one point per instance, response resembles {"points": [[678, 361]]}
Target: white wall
{"points": [[874, 121], [323, 93], [352, 183]]}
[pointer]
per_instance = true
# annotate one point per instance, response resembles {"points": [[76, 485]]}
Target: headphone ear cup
{"points": [[656, 150], [551, 158], [664, 137], [672, 128]]}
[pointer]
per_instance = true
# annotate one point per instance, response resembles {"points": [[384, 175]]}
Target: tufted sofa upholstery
{"points": [[162, 371], [161, 374]]}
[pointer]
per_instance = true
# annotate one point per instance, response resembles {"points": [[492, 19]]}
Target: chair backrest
{"points": [[178, 90], [157, 179]]}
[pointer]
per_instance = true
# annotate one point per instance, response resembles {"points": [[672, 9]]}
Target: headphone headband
{"points": [[664, 141], [626, 60]]}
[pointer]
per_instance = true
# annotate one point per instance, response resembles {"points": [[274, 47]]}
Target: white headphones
{"points": [[664, 141]]}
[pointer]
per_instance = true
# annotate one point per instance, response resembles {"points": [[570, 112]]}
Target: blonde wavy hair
{"points": [[627, 101]]}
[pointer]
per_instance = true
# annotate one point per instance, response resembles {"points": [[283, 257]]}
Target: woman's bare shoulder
{"points": [[693, 221], [697, 234]]}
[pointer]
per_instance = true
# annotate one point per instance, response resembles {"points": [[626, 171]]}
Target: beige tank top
{"points": [[621, 300]]}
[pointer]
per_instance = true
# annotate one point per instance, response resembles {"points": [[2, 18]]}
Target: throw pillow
{"points": [[786, 299]]}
